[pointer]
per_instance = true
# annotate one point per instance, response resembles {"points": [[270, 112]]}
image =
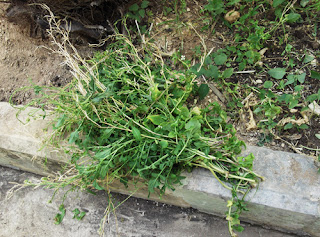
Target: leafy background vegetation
{"points": [[140, 110]]}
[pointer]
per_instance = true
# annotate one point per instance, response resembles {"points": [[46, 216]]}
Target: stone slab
{"points": [[289, 199], [28, 213]]}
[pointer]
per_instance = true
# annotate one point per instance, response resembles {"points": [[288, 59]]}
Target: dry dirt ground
{"points": [[23, 58]]}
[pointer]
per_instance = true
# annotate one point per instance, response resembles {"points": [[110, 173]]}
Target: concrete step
{"points": [[289, 199]]}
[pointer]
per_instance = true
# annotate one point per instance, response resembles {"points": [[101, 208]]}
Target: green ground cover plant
{"points": [[129, 113]]}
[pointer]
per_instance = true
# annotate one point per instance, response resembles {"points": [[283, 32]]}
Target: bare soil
{"points": [[23, 58]]}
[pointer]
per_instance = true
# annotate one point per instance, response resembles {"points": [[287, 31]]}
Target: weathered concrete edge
{"points": [[288, 200]]}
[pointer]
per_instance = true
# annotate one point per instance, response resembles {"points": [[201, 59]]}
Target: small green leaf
{"points": [[293, 104], [134, 7], [288, 126], [73, 137], [212, 72], [220, 59], [312, 97], [304, 3], [268, 84], [298, 88], [303, 126], [60, 121], [227, 73], [301, 78], [78, 215], [317, 136], [277, 2], [141, 13], [164, 144], [59, 217], [238, 228], [193, 124], [277, 73], [315, 75], [136, 133], [308, 58], [97, 186], [203, 91], [156, 119], [144, 4], [292, 17]]}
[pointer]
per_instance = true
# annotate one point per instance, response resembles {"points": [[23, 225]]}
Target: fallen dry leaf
{"points": [[232, 16], [314, 107]]}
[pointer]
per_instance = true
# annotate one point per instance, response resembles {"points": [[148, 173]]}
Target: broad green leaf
{"points": [[134, 7], [73, 137], [227, 73], [184, 111], [103, 154], [292, 17], [298, 88], [317, 136], [288, 126], [141, 13], [164, 144], [277, 73], [291, 79], [144, 4], [312, 97], [203, 91], [293, 104], [268, 84], [60, 121], [277, 2], [193, 124], [220, 59], [301, 78], [156, 119], [315, 75], [308, 58], [136, 133], [211, 72], [303, 126], [304, 3]]}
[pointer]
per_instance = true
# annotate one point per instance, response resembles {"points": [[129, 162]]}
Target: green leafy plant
{"points": [[130, 120], [59, 217], [138, 12]]}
